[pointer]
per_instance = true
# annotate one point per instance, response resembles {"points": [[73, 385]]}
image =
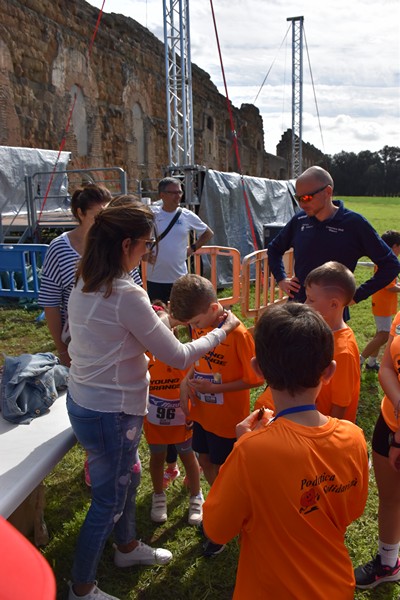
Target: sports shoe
{"points": [[210, 549], [374, 572], [142, 555], [374, 367], [158, 512], [94, 594], [86, 472], [196, 509], [169, 476]]}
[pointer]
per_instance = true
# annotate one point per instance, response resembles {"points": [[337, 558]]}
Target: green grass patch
{"points": [[188, 576]]}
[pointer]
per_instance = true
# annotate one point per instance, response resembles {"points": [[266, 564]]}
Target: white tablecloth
{"points": [[29, 452]]}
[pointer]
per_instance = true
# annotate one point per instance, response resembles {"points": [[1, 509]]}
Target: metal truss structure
{"points": [[297, 95]]}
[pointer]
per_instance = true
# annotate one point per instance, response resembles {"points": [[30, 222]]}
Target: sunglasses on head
{"points": [[309, 197]]}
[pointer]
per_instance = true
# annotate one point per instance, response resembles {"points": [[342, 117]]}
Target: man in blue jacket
{"points": [[325, 230]]}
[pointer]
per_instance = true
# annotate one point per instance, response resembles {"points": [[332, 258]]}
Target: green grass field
{"points": [[188, 576]]}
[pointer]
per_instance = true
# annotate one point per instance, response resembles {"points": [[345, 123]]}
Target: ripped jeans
{"points": [[111, 441]]}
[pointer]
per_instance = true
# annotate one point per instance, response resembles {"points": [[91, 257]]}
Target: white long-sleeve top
{"points": [[109, 337]]}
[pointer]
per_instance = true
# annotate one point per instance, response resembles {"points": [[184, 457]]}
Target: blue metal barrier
{"points": [[19, 265]]}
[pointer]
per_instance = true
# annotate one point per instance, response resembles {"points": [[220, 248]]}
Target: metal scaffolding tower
{"points": [[297, 95], [178, 70]]}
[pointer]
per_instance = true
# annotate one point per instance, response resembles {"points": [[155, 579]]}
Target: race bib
{"points": [[209, 398], [165, 412]]}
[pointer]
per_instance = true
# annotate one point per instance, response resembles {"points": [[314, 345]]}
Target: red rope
{"points": [[96, 28], [234, 135], [64, 139]]}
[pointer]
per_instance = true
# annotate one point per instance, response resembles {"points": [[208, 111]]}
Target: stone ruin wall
{"points": [[119, 116]]}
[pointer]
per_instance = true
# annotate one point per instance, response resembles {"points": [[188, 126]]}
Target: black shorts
{"points": [[159, 291], [380, 437], [204, 442]]}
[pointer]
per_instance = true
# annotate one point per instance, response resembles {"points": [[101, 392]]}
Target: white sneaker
{"points": [[158, 512], [196, 509], [94, 594], [142, 555]]}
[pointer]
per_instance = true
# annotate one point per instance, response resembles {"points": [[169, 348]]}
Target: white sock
{"points": [[371, 361], [389, 553]]}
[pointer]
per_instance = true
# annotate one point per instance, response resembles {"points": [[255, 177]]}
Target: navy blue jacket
{"points": [[345, 238]]}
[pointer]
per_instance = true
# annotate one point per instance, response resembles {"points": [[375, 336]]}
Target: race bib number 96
{"points": [[165, 412]]}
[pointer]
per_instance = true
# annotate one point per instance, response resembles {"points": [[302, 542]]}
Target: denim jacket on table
{"points": [[30, 385]]}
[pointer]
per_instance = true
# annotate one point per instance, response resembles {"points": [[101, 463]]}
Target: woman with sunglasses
{"points": [[112, 324], [324, 230]]}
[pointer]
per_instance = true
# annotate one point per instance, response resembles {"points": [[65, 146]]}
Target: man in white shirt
{"points": [[165, 267]]}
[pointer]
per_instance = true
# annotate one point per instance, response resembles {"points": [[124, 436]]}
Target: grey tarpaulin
{"points": [[16, 163], [223, 208]]}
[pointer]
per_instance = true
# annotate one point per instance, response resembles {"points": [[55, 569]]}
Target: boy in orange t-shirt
{"points": [[291, 486], [384, 306], [165, 424], [218, 385], [329, 288]]}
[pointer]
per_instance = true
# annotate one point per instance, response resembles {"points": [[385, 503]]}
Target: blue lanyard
{"points": [[294, 409]]}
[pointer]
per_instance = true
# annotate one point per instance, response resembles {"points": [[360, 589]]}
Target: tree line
{"points": [[366, 173]]}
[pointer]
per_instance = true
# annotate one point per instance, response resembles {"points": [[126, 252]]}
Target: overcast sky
{"points": [[354, 51]]}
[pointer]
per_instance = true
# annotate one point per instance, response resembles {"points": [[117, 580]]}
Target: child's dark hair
{"points": [[334, 277], [191, 295], [391, 237], [88, 196], [159, 305], [294, 345]]}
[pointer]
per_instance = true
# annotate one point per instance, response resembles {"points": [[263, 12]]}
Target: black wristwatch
{"points": [[193, 247], [392, 441]]}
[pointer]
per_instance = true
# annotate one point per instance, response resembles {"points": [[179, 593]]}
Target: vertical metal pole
{"points": [[297, 95], [178, 83]]}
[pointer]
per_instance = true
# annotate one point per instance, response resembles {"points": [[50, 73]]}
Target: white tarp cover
{"points": [[16, 163], [223, 208]]}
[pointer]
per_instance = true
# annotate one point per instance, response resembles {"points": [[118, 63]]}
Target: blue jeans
{"points": [[111, 441]]}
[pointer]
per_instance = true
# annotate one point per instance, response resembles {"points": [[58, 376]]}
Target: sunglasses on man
{"points": [[309, 197]]}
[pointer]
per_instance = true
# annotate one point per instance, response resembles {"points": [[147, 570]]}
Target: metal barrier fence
{"points": [[19, 265]]}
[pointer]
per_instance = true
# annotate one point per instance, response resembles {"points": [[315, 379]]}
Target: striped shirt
{"points": [[58, 274]]}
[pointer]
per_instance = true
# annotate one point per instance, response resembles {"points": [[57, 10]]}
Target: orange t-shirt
{"points": [[384, 303], [344, 387], [230, 361], [265, 400], [388, 410], [165, 422], [290, 491]]}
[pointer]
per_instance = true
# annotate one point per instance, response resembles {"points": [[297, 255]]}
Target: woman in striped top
{"points": [[59, 267]]}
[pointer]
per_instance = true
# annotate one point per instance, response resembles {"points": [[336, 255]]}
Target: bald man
{"points": [[325, 230]]}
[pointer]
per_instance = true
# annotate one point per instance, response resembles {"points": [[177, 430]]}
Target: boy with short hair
{"points": [[293, 485], [218, 385], [329, 288], [384, 306]]}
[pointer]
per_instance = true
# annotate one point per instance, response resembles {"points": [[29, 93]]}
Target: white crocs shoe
{"points": [[142, 555], [94, 594], [158, 512], [196, 509]]}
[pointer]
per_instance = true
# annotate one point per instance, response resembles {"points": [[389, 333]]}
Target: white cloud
{"points": [[354, 51]]}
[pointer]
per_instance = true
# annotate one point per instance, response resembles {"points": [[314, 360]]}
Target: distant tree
{"points": [[390, 157], [367, 173], [370, 173], [344, 167]]}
